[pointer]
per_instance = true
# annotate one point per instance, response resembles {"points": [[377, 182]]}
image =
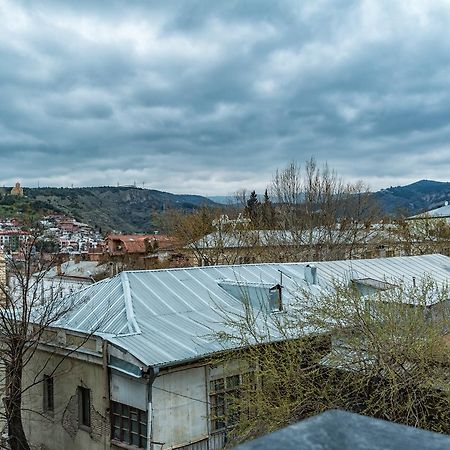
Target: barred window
{"points": [[128, 424]]}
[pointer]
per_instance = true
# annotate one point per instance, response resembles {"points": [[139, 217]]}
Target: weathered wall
{"points": [[180, 407], [60, 430]]}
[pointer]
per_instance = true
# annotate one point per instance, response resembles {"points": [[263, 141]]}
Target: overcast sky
{"points": [[211, 96]]}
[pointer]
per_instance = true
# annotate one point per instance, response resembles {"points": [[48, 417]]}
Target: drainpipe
{"points": [[150, 373], [106, 394]]}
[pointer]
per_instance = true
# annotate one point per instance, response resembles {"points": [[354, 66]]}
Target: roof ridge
{"points": [[133, 326]]}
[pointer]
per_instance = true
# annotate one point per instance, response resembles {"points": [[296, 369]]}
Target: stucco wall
{"points": [[60, 430], [180, 407]]}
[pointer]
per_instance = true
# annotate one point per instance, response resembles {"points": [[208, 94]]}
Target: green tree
{"points": [[253, 207]]}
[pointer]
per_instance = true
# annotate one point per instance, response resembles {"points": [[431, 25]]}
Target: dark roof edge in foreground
{"points": [[342, 430]]}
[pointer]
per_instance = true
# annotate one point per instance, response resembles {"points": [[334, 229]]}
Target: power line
{"points": [[182, 395]]}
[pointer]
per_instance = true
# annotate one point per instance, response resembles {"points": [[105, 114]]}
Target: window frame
{"points": [[84, 408], [222, 390], [48, 395], [122, 420]]}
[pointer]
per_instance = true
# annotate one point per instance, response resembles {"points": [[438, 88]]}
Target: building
{"points": [[443, 212], [141, 244], [142, 250], [139, 372], [242, 246], [70, 276], [11, 240], [17, 190]]}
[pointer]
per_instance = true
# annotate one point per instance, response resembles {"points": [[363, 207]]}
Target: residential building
{"points": [[139, 372], [11, 240], [142, 250]]}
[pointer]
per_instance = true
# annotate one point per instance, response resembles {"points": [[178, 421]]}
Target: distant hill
{"points": [[125, 209], [130, 209], [222, 199], [414, 198]]}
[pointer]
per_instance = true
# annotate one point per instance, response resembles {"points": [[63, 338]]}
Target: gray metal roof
{"points": [[166, 316], [81, 269], [442, 211]]}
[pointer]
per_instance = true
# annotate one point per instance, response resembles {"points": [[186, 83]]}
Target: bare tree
{"points": [[29, 309], [308, 213], [319, 215]]}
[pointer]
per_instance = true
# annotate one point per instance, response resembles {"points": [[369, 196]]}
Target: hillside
{"points": [[130, 209], [414, 198], [125, 209]]}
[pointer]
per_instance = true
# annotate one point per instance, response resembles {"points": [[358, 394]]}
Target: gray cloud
{"points": [[208, 97]]}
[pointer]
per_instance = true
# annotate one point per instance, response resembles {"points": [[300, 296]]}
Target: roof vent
{"points": [[311, 274]]}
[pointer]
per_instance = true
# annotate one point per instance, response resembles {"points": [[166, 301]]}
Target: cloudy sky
{"points": [[211, 96]]}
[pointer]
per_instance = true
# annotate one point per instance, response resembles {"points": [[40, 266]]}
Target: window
{"points": [[84, 407], [223, 393], [128, 424], [49, 404]]}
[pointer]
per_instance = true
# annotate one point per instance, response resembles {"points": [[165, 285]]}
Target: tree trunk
{"points": [[13, 406]]}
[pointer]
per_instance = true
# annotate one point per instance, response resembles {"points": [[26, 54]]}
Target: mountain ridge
{"points": [[131, 209], [413, 198]]}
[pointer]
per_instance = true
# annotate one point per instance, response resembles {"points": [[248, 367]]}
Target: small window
{"points": [[49, 404], [84, 407]]}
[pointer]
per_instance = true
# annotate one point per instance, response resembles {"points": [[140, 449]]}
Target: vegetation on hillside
{"points": [[124, 209]]}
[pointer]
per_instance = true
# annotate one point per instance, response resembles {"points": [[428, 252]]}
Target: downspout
{"points": [[106, 394], [151, 373]]}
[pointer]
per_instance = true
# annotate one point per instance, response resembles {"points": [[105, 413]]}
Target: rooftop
{"points": [[442, 211], [163, 317]]}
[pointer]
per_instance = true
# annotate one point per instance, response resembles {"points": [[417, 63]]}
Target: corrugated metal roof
{"points": [[166, 316], [250, 238]]}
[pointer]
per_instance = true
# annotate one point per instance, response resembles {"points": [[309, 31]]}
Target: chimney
{"points": [[311, 274], [58, 270]]}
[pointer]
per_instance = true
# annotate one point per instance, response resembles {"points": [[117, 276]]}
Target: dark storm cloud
{"points": [[208, 97]]}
